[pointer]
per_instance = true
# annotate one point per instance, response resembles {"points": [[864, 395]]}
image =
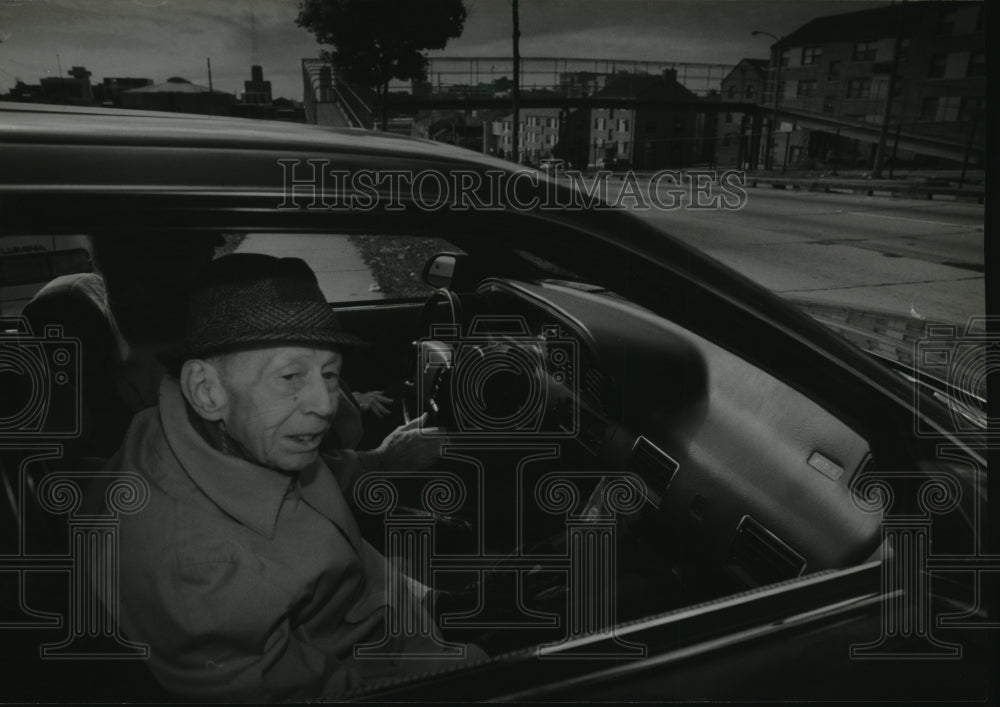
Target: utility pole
{"points": [[62, 81], [777, 97], [895, 148], [968, 148], [516, 93], [211, 91], [772, 138], [883, 133]]}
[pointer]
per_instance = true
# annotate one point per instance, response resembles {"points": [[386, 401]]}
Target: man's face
{"points": [[281, 403]]}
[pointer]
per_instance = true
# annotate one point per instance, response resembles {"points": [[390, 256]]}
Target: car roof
{"points": [[28, 123], [69, 148]]}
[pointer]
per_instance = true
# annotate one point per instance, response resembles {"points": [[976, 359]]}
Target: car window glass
{"points": [[28, 263], [354, 268]]}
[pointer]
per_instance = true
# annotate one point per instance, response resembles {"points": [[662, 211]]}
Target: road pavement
{"points": [[917, 257], [342, 273], [913, 257]]}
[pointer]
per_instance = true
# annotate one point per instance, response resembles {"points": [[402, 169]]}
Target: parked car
{"points": [[782, 481]]}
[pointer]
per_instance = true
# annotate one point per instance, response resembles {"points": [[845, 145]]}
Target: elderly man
{"points": [[245, 571], [124, 316]]}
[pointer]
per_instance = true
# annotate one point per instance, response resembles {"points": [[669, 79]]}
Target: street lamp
{"points": [[777, 88]]}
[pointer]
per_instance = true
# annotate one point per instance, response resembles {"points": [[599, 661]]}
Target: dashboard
{"points": [[749, 476]]}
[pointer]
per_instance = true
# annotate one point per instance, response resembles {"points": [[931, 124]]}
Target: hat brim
{"points": [[175, 356]]}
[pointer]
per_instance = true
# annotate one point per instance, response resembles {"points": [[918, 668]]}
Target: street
{"points": [[895, 255], [339, 267], [917, 258]]}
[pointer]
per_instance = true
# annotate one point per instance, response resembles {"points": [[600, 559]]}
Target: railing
{"points": [[357, 109], [934, 110], [562, 75], [323, 85], [491, 77]]}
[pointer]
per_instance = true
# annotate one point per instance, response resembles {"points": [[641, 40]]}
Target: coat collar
{"points": [[250, 493], [321, 491]]}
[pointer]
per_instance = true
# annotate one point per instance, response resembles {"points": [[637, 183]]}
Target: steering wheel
{"points": [[428, 388]]}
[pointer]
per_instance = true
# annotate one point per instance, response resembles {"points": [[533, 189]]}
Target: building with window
{"points": [[539, 133], [108, 92], [648, 137], [257, 91], [737, 141], [74, 89], [178, 95], [837, 73]]}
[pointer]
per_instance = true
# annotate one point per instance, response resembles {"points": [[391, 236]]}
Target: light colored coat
{"points": [[245, 583]]}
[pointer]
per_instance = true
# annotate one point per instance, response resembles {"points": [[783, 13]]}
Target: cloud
{"points": [[160, 38]]}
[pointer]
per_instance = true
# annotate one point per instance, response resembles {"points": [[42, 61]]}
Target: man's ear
{"points": [[201, 384]]}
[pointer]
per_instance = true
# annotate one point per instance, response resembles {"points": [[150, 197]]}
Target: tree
{"points": [[375, 41]]}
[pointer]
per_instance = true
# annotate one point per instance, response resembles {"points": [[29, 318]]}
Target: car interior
{"points": [[551, 356]]}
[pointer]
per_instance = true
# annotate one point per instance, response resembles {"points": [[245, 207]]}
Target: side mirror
{"points": [[440, 269]]}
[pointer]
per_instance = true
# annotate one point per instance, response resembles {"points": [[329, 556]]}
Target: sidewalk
{"points": [[342, 273], [916, 186], [900, 174]]}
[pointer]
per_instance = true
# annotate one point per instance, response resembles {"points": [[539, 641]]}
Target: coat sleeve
{"points": [[222, 632], [346, 466]]}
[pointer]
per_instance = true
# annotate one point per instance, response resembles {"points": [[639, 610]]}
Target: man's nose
{"points": [[318, 399]]}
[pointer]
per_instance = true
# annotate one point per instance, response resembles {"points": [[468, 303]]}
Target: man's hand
{"points": [[408, 447], [375, 402]]}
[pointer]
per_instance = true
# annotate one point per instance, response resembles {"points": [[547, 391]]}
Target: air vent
{"points": [[593, 386], [655, 466], [760, 557]]}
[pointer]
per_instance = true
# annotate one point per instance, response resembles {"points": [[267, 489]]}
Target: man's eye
{"points": [[291, 377], [331, 375]]}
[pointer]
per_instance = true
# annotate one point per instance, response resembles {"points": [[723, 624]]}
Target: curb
{"points": [[869, 188]]}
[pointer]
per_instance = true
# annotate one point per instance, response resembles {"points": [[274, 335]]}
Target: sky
{"points": [[158, 39]]}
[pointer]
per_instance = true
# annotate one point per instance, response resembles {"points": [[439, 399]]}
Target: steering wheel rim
{"points": [[426, 315], [426, 330]]}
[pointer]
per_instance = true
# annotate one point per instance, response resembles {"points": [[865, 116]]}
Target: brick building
{"points": [[257, 91], [639, 138], [540, 130], [737, 141], [837, 70]]}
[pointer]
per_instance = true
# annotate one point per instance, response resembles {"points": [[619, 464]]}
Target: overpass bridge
{"points": [[477, 83], [484, 82], [868, 132]]}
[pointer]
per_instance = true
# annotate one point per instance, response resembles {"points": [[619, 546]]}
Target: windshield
{"points": [[887, 272]]}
